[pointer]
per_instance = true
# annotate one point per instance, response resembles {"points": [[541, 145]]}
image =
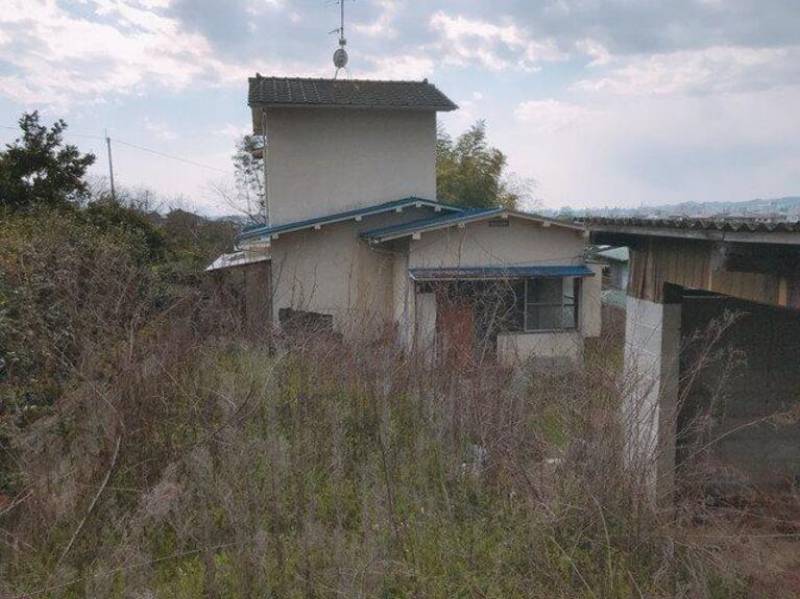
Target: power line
{"points": [[141, 148], [178, 158]]}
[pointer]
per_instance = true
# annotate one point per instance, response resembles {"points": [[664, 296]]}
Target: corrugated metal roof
{"points": [[354, 93], [242, 258], [499, 272], [619, 254], [734, 230], [266, 231], [705, 224]]}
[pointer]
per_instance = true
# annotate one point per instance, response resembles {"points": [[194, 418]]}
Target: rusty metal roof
{"points": [[744, 225], [623, 231]]}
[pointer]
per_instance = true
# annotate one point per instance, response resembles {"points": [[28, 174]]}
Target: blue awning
{"points": [[483, 273]]}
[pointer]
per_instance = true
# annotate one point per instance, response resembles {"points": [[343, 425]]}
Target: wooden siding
{"points": [[245, 292], [695, 265]]}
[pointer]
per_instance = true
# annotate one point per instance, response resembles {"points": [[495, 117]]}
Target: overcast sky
{"points": [[601, 102]]}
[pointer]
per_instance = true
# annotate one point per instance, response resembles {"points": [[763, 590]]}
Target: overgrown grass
{"points": [[149, 450], [322, 470]]}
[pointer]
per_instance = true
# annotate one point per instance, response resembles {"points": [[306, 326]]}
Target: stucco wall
{"points": [[521, 243], [590, 319], [322, 161], [425, 324], [403, 308], [331, 271], [479, 244], [516, 348]]}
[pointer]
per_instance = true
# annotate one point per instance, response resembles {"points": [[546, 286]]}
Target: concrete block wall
{"points": [[652, 369]]}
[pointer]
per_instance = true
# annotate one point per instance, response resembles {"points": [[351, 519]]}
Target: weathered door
{"points": [[455, 331]]}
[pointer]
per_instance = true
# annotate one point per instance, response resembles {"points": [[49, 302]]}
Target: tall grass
{"points": [[206, 467], [149, 450]]}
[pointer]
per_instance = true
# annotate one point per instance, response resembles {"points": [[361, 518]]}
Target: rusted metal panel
{"points": [[691, 264]]}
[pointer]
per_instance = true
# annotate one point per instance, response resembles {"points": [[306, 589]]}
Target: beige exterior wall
{"points": [[326, 160], [590, 317], [403, 305], [526, 243], [517, 348], [332, 271], [479, 244], [425, 324]]}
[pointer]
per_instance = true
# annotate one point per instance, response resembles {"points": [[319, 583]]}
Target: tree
{"points": [[247, 194], [248, 164], [470, 173], [38, 169]]}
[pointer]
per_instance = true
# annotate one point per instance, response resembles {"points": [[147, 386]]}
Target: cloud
{"points": [[160, 131], [114, 47], [383, 25], [643, 27], [634, 150], [553, 116], [469, 42], [234, 131], [707, 71], [403, 66]]}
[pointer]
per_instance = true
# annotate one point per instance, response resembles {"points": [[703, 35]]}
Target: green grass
{"points": [[316, 473]]}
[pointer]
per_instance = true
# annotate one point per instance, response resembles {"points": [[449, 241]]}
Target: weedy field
{"points": [[150, 448]]}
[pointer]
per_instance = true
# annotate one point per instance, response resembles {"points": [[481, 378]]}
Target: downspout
{"points": [[264, 159]]}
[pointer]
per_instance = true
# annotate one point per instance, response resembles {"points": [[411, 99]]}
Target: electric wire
{"points": [[142, 149]]}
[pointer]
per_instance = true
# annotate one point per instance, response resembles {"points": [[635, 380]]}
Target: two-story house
{"points": [[359, 243]]}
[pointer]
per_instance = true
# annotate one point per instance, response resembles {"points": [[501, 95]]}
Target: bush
{"points": [[71, 290]]}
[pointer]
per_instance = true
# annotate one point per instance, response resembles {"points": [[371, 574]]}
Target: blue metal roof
{"points": [[498, 272], [266, 231], [465, 216], [433, 222]]}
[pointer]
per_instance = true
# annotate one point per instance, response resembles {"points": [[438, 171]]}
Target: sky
{"points": [[597, 103]]}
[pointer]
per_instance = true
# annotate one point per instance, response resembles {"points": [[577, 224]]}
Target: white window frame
{"points": [[576, 282]]}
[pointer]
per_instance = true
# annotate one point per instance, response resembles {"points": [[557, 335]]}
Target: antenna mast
{"points": [[340, 56]]}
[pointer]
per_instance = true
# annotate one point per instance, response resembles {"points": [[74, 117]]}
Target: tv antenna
{"points": [[340, 56]]}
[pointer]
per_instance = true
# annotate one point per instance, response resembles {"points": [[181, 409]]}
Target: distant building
{"points": [[359, 245], [614, 262]]}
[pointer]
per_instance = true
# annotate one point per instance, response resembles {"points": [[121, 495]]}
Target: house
{"points": [[615, 273], [359, 245], [711, 343], [238, 282]]}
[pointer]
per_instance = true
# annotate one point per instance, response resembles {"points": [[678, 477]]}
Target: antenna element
{"points": [[340, 56]]}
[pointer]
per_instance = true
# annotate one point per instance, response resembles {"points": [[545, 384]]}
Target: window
{"points": [[551, 304]]}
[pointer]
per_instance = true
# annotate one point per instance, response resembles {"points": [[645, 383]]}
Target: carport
{"points": [[712, 352]]}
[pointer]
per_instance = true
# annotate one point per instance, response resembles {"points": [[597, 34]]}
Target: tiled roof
{"points": [[265, 231], [354, 93]]}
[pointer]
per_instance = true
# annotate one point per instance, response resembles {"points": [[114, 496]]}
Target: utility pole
{"points": [[110, 168]]}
